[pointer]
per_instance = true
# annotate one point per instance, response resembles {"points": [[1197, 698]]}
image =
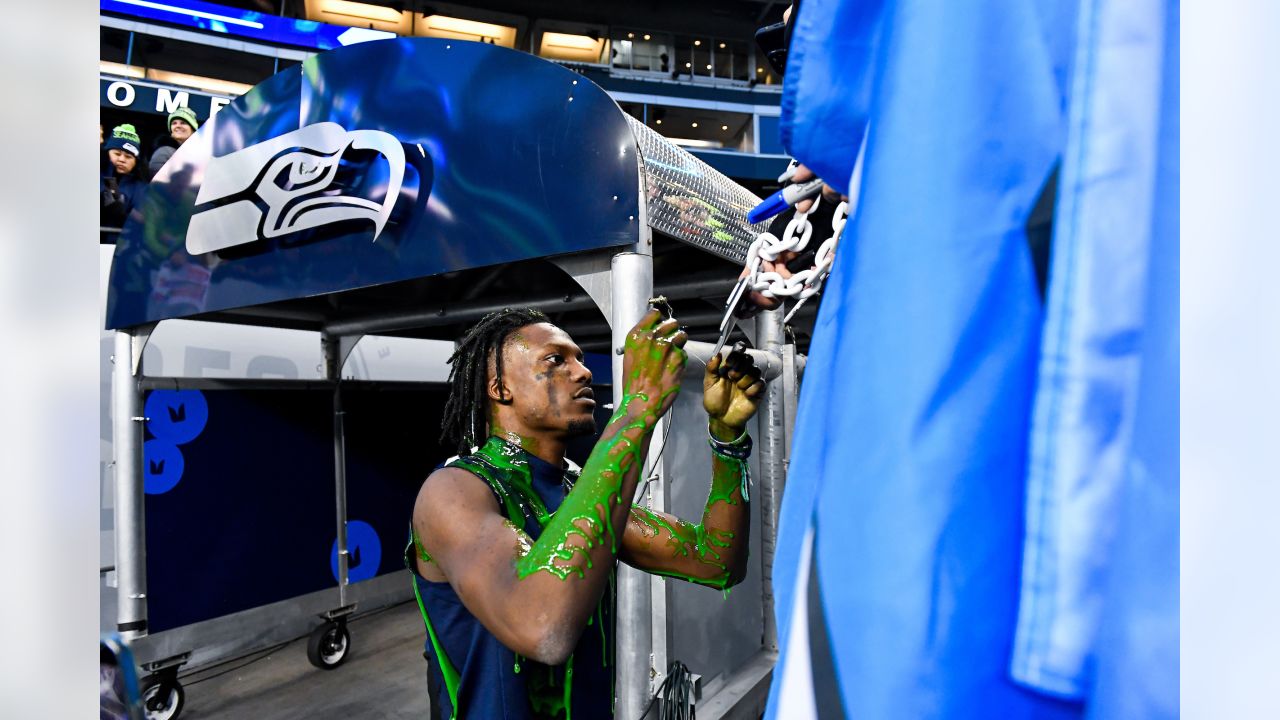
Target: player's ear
{"points": [[498, 392]]}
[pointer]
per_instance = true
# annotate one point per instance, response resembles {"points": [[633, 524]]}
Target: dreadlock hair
{"points": [[465, 413]]}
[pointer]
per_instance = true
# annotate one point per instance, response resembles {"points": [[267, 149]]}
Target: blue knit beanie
{"points": [[125, 137]]}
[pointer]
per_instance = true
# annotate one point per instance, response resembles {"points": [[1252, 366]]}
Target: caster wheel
{"points": [[327, 647], [163, 700]]}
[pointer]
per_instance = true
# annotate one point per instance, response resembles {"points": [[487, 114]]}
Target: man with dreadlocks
{"points": [[513, 550]]}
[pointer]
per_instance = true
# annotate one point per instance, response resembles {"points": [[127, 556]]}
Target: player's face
{"points": [[547, 383]]}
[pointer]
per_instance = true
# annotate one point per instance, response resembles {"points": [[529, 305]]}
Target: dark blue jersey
{"points": [[468, 664]]}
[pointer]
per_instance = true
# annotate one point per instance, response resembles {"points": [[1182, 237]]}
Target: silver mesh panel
{"points": [[691, 201]]}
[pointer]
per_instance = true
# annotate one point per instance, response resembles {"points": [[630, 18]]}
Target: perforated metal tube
{"points": [[692, 201]]}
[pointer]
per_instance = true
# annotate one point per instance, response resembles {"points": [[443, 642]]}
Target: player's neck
{"points": [[542, 445]]}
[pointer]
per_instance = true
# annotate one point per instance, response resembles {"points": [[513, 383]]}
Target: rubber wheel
{"points": [[163, 700], [328, 645]]}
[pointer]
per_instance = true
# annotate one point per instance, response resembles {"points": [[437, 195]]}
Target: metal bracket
{"points": [[790, 395], [336, 350], [344, 611], [138, 337], [594, 273], [171, 663]]}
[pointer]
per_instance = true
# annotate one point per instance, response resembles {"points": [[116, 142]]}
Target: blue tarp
{"points": [[910, 459]]}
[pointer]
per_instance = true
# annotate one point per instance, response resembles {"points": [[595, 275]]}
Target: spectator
{"points": [[104, 164], [182, 125], [121, 185]]}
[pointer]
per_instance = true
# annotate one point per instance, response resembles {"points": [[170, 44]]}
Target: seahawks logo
{"points": [[295, 182]]}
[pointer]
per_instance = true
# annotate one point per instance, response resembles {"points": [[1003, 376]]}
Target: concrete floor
{"points": [[384, 678]]}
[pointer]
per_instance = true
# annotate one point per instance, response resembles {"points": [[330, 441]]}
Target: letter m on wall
{"points": [[167, 101]]}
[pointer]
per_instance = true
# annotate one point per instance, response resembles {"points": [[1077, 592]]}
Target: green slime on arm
{"points": [[585, 517], [700, 542]]}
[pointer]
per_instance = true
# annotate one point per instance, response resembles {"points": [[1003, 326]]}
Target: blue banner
{"points": [[1137, 652], [1087, 386], [910, 452], [386, 161]]}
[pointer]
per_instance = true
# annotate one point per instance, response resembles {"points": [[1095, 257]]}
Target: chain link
{"points": [[795, 238]]}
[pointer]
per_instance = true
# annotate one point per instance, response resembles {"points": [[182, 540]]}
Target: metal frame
{"points": [[632, 285], [773, 455], [130, 533], [335, 351], [620, 285]]}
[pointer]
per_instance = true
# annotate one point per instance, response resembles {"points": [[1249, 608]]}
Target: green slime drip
{"points": [[585, 516], [700, 542]]}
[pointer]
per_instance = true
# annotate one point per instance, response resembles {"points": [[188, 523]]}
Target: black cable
{"points": [[676, 694], [266, 652], [262, 654]]}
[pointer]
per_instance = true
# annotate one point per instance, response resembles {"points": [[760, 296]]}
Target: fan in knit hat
{"points": [[125, 137], [186, 115]]}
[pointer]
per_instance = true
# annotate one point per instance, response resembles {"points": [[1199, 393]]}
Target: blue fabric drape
{"points": [[1084, 415], [910, 449]]}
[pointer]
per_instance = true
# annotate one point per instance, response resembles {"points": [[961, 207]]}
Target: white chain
{"points": [[806, 283]]}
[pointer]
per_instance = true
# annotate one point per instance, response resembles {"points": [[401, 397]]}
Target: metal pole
{"points": [[632, 282], [333, 371], [773, 474], [131, 549], [769, 361]]}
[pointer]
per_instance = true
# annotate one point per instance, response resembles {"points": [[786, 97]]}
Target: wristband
{"points": [[738, 449]]}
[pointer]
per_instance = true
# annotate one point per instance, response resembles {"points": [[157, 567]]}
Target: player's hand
{"points": [[731, 392], [652, 365]]}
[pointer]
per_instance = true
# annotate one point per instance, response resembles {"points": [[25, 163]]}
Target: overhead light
{"points": [[708, 67], [721, 46], [631, 36], [759, 69], [114, 68], [454, 28], [724, 127], [697, 42], [213, 85], [362, 11], [565, 40], [466, 27], [688, 65], [646, 36], [695, 124], [572, 47], [658, 121], [689, 142]]}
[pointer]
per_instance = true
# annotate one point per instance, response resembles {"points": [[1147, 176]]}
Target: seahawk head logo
{"points": [[288, 184]]}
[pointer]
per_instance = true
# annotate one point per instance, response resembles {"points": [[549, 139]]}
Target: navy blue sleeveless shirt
{"points": [[467, 661]]}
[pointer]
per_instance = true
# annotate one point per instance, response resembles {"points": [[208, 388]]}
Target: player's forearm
{"points": [[726, 518], [712, 552]]}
